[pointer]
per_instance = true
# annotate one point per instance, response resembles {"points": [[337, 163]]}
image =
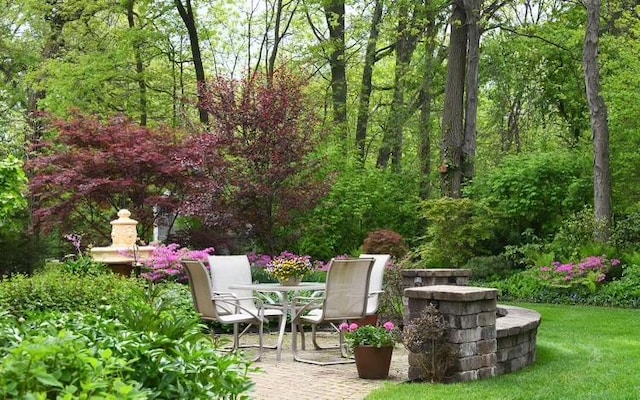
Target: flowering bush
{"points": [[589, 272], [368, 335], [288, 265], [164, 263]]}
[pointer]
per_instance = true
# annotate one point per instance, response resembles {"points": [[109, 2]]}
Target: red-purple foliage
{"points": [[385, 241], [266, 133], [93, 168]]}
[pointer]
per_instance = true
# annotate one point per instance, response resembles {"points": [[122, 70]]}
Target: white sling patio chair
{"points": [[375, 282], [206, 304], [375, 289], [345, 298], [236, 270]]}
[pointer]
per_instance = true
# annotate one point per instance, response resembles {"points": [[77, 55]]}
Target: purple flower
{"points": [[615, 262], [353, 327], [344, 327], [389, 325]]}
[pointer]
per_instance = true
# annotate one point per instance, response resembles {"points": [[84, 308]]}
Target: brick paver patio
{"points": [[299, 381]]}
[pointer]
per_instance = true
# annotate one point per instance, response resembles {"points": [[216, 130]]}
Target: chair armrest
{"points": [[375, 293], [238, 306], [269, 302], [311, 303]]}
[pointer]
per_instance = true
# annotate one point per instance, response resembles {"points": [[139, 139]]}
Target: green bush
{"points": [[54, 289], [489, 267], [360, 201], [153, 349], [535, 191], [457, 230]]}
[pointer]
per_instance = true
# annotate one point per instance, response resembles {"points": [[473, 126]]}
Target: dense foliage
{"points": [[12, 187], [266, 133], [79, 336], [91, 169]]}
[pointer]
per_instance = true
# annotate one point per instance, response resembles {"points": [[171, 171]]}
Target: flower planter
{"points": [[290, 281], [373, 362]]}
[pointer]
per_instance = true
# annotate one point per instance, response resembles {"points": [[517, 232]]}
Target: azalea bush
{"points": [[589, 272], [164, 263], [288, 265], [369, 335]]}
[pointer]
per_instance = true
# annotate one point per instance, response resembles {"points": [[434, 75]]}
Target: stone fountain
{"points": [[123, 254]]}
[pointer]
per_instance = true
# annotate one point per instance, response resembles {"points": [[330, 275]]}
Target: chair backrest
{"points": [[231, 270], [200, 285], [347, 289], [375, 283]]}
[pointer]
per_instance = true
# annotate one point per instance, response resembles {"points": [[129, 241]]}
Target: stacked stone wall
{"points": [[485, 339], [470, 314]]}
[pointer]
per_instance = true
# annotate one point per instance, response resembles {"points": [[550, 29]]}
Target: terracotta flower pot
{"points": [[373, 362]]}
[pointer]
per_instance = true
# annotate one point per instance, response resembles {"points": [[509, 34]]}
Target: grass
{"points": [[582, 353]]}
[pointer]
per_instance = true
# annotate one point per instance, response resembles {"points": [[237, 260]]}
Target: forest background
{"points": [[473, 128]]}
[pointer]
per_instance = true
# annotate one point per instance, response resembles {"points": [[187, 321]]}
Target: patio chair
{"points": [[375, 290], [375, 282], [236, 270], [207, 303], [345, 298]]}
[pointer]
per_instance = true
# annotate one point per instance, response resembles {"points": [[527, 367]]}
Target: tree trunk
{"points": [[452, 117], [599, 125], [408, 28], [142, 86], [424, 130], [472, 11], [365, 86], [188, 17], [334, 13]]}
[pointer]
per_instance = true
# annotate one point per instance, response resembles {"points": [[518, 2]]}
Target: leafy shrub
{"points": [[626, 234], [152, 349], [425, 336], [385, 241], [360, 201], [623, 292], [65, 365], [535, 191], [489, 267], [84, 266], [54, 289], [457, 229], [391, 306]]}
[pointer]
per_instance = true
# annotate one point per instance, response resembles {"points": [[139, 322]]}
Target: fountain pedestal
{"points": [[123, 254]]}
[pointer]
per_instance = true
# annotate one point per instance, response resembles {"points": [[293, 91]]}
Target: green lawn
{"points": [[583, 353]]}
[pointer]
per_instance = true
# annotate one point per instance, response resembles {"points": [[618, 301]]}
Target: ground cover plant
{"points": [[72, 335], [582, 353]]}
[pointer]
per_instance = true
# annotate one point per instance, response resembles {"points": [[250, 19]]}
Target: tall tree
{"points": [[599, 125], [142, 85], [453, 114], [334, 12], [189, 19], [370, 57], [472, 11], [410, 28], [263, 127]]}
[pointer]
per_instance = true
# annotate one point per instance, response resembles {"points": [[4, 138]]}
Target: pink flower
{"points": [[389, 325], [343, 327], [353, 327]]}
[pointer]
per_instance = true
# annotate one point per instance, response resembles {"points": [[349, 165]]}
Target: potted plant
{"points": [[372, 347], [289, 268]]}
